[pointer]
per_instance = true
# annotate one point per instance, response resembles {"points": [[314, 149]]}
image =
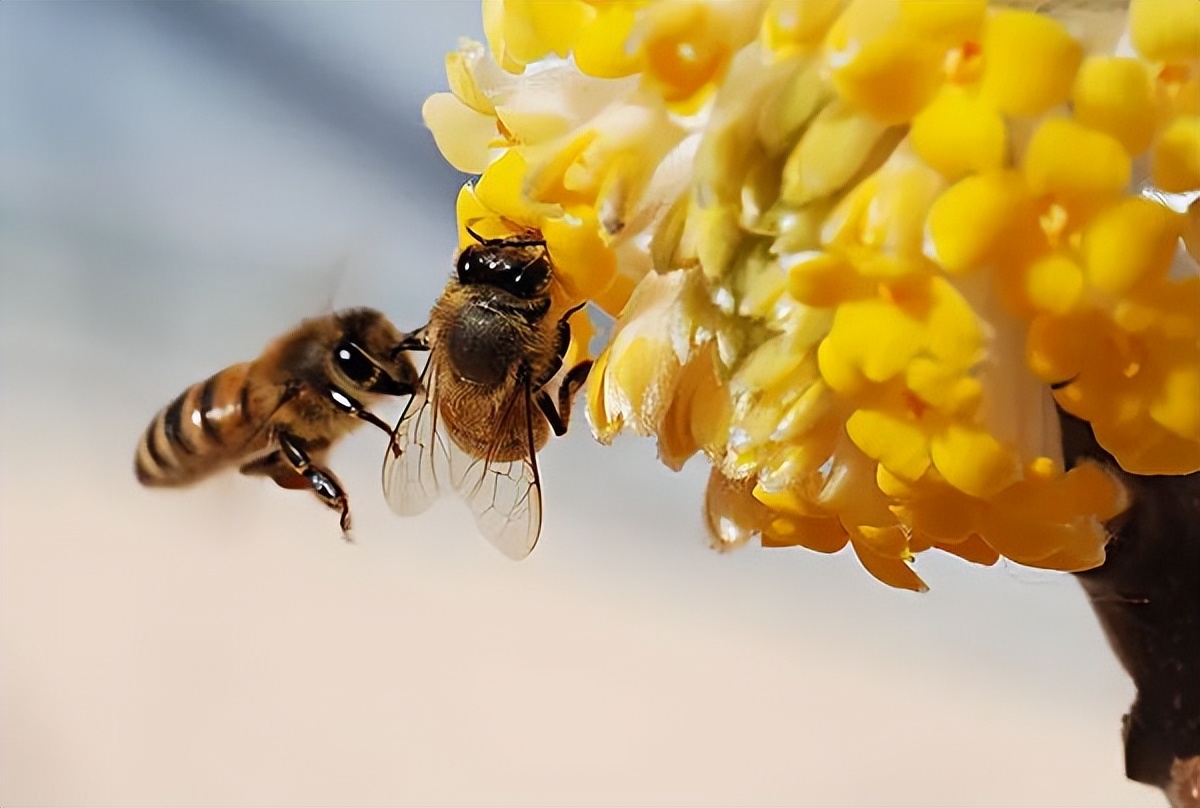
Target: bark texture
{"points": [[1147, 597]]}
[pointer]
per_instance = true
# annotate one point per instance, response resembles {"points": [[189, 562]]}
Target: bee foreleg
{"points": [[561, 418], [416, 341], [322, 481], [560, 350], [350, 406]]}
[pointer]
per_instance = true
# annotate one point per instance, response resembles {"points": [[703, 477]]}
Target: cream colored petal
{"points": [[463, 136]]}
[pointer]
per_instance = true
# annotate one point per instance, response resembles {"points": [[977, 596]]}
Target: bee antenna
{"points": [[509, 241], [476, 236]]}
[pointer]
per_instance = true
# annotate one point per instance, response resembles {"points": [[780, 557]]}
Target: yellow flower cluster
{"points": [[859, 250]]}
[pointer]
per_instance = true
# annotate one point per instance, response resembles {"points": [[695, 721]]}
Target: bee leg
{"points": [[322, 481], [350, 406], [285, 476], [416, 341], [574, 380], [564, 343], [560, 418]]}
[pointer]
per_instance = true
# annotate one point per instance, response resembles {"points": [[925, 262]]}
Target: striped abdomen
{"points": [[208, 426]]}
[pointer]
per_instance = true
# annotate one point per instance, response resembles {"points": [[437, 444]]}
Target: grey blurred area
{"points": [[178, 183]]}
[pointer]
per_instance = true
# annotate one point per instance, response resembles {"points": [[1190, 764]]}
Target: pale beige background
{"points": [[177, 185]]}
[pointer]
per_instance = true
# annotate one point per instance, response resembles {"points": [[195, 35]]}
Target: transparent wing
{"points": [[416, 468], [505, 497]]}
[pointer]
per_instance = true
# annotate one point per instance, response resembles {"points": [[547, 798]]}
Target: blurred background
{"points": [[181, 182]]}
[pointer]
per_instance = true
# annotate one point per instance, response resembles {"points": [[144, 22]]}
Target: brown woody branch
{"points": [[1147, 597]]}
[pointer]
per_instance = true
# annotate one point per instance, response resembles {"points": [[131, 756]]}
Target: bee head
{"points": [[366, 355], [519, 266]]}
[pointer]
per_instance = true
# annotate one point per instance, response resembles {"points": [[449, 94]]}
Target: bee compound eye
{"points": [[354, 363], [468, 266]]}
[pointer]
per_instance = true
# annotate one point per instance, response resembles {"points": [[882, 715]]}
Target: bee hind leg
{"points": [[290, 467], [560, 418]]}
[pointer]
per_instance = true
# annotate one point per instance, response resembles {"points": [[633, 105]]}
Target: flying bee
{"points": [[278, 415], [486, 405]]}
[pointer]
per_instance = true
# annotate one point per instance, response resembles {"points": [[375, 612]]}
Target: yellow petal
{"points": [[953, 333], [973, 548], [605, 424], [463, 136], [1066, 158], [1167, 308], [943, 385], [782, 117], [1165, 30], [959, 134], [473, 214], [601, 50], [547, 181], [899, 444], [1029, 62], [874, 337], [1054, 283], [862, 21], [614, 296], [1177, 405], [1045, 544], [822, 534], [698, 417], [681, 54], [823, 279], [797, 25], [631, 374], [1117, 96], [889, 540], [1057, 347], [786, 502], [461, 77], [1089, 555], [892, 571], [893, 224], [811, 412], [1150, 448], [1131, 241], [501, 189], [836, 146], [494, 24], [946, 22], [1177, 157], [973, 461], [558, 24], [733, 516], [1183, 96], [966, 221], [1091, 488], [1191, 230], [946, 514], [892, 77], [770, 366], [583, 262], [843, 227], [524, 31]]}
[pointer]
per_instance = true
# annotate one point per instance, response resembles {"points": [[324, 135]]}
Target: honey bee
{"points": [[278, 415], [485, 406]]}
